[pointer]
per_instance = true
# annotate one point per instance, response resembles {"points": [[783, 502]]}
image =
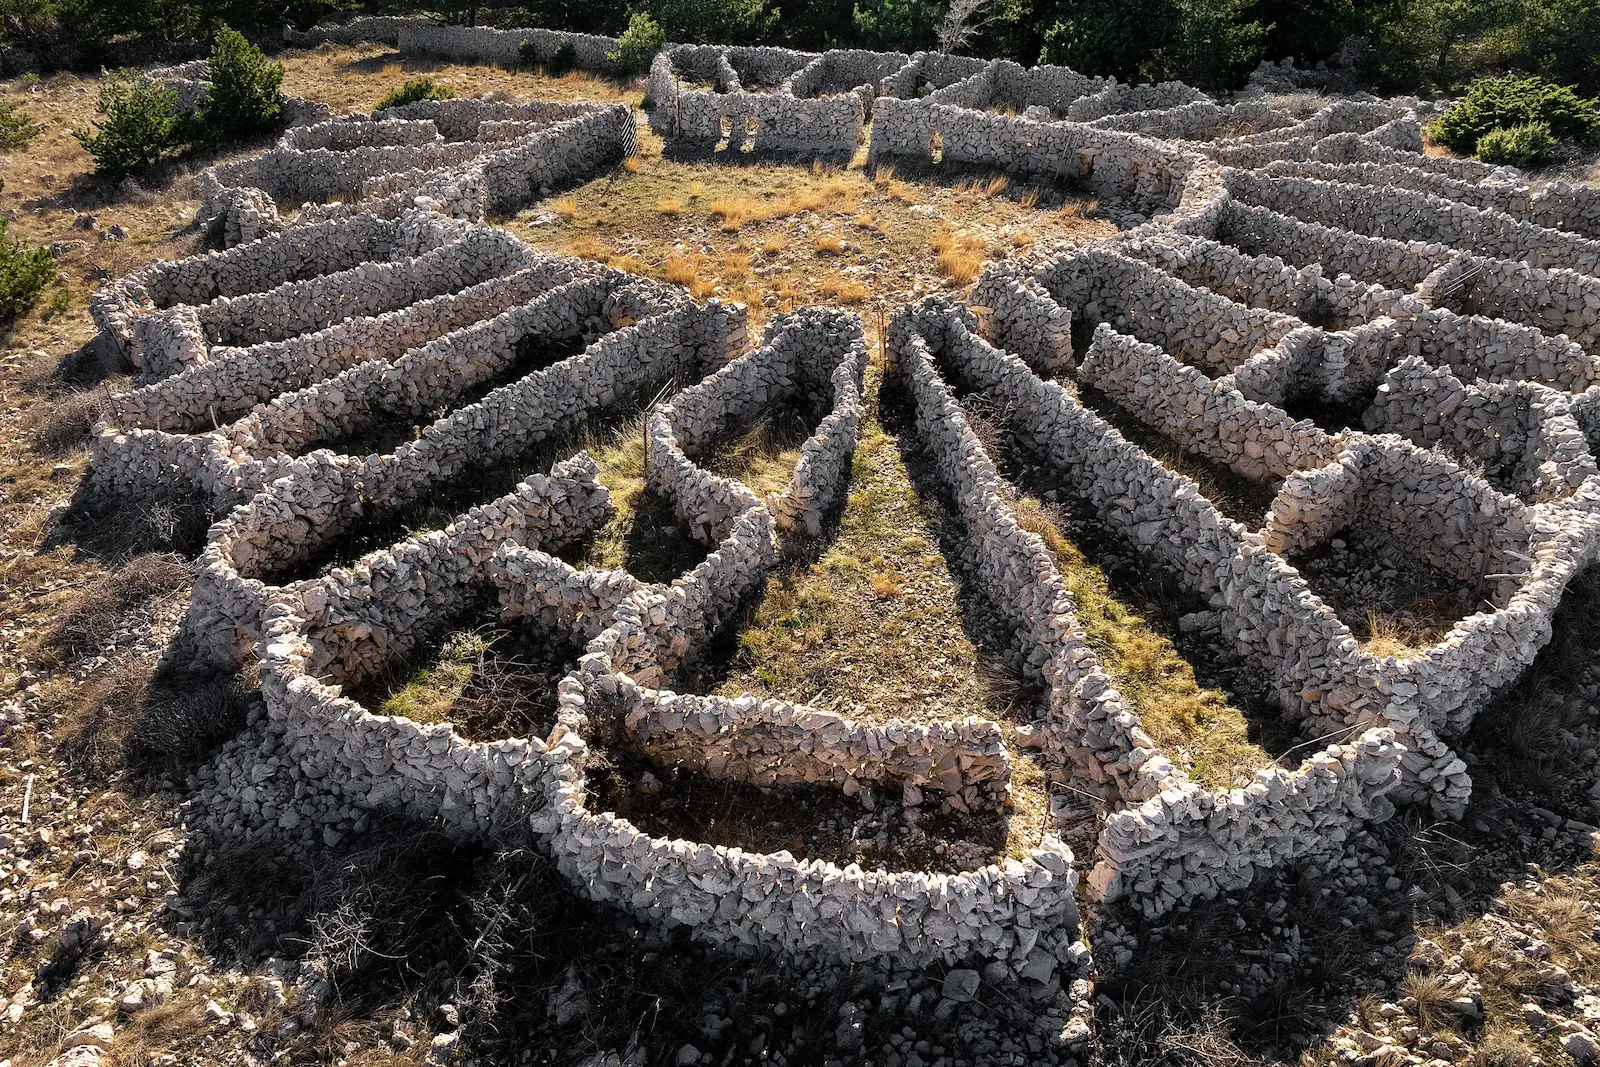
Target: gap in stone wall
{"points": [[289, 206], [488, 678]]}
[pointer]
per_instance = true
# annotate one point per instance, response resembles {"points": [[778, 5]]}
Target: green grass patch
{"points": [[872, 626], [1193, 726]]}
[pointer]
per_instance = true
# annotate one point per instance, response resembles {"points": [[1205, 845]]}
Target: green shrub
{"points": [[244, 88], [1518, 146], [1508, 102], [16, 129], [141, 124], [416, 89], [565, 58], [638, 45], [562, 60], [24, 272]]}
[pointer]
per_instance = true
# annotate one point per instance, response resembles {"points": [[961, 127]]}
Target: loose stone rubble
{"points": [[1438, 319]]}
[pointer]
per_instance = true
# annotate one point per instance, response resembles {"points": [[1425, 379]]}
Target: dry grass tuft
{"points": [[102, 608], [827, 244], [691, 273], [669, 206], [773, 243], [866, 222], [96, 719], [66, 422], [1503, 1048], [844, 290], [565, 206], [960, 255], [680, 270], [590, 247], [1565, 920], [1024, 239], [633, 165], [833, 192], [1429, 998], [1031, 197], [1388, 636], [1207, 1042], [176, 1027], [123, 716]]}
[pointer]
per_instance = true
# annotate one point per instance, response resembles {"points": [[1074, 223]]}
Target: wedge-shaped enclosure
{"points": [[325, 635]]}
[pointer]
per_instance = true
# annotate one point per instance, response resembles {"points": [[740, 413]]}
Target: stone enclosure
{"points": [[1400, 352]]}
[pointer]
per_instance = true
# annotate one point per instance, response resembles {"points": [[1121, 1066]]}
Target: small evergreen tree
{"points": [[244, 88], [638, 45], [1519, 146], [16, 129], [1509, 102], [140, 126], [24, 272]]}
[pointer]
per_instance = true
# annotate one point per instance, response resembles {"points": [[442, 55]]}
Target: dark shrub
{"points": [[141, 124], [1511, 101], [414, 90], [244, 88]]}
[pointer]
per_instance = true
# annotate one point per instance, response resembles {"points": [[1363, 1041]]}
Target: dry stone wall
{"points": [[782, 119], [1343, 275], [1170, 838], [484, 44], [460, 157], [1401, 349], [1020, 913], [315, 498], [333, 631]]}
